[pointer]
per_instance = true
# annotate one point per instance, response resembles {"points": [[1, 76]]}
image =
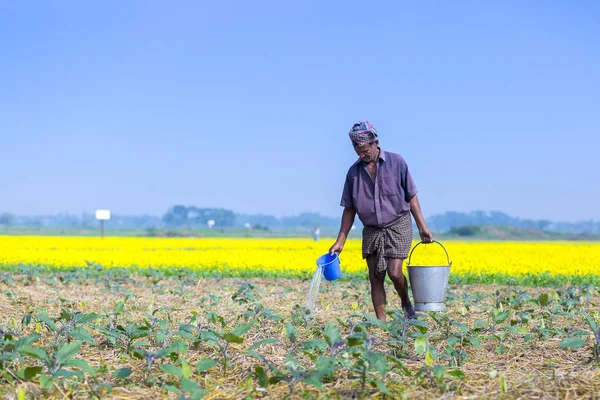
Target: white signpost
{"points": [[102, 215]]}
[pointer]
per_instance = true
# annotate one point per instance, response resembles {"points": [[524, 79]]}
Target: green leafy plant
{"points": [[363, 362], [184, 385], [10, 352], [595, 328], [58, 363], [293, 371], [150, 356], [222, 338]]}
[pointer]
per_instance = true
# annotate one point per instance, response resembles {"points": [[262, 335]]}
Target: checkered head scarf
{"points": [[362, 132]]}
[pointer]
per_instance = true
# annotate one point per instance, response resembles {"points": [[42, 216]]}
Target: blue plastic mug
{"points": [[330, 265]]}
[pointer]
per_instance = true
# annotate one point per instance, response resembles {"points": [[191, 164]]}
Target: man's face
{"points": [[367, 151]]}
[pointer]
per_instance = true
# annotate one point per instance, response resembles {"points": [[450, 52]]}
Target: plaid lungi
{"points": [[392, 242]]}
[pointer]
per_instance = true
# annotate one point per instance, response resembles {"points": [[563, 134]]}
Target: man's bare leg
{"points": [[377, 289], [394, 271]]}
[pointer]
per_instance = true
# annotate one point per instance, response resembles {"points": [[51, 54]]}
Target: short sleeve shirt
{"points": [[382, 202]]}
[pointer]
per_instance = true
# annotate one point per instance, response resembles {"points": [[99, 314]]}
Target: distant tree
{"points": [[541, 225], [221, 216], [500, 218], [265, 220], [303, 219], [466, 230], [259, 227], [176, 216], [7, 219], [194, 216]]}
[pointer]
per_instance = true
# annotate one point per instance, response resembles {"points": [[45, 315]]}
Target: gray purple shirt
{"points": [[382, 202]]}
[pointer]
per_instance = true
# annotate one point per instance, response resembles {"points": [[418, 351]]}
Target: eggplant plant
{"points": [[56, 363]]}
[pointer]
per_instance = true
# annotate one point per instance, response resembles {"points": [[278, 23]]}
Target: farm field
{"points": [[224, 318]]}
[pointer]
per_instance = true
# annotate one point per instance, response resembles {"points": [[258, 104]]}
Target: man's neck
{"points": [[376, 158]]}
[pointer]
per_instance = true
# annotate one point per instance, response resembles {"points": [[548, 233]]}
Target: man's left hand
{"points": [[426, 236]]}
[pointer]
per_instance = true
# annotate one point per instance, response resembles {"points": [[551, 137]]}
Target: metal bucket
{"points": [[428, 283]]}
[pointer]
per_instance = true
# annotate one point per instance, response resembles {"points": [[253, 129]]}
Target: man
{"points": [[380, 189]]}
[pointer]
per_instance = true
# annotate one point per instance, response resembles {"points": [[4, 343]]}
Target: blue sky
{"points": [[139, 105]]}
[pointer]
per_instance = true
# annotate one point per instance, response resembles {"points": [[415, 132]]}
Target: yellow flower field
{"points": [[292, 256]]}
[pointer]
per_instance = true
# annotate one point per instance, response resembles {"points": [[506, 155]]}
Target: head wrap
{"points": [[362, 132]]}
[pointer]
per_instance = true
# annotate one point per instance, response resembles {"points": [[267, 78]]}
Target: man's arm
{"points": [[415, 209], [347, 221]]}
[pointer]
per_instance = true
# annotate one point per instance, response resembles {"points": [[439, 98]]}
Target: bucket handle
{"points": [[435, 241]]}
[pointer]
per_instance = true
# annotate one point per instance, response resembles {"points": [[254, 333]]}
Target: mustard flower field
{"points": [[476, 261]]}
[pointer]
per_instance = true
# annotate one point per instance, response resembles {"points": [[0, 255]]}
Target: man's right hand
{"points": [[336, 248]]}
